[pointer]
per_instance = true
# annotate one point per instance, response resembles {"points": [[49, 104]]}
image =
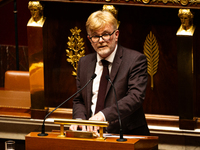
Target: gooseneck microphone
{"points": [[121, 139], [43, 125]]}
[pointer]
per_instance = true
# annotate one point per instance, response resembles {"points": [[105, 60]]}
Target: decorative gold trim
{"points": [[152, 53], [177, 2], [75, 50], [184, 2], [165, 1], [145, 1], [100, 124]]}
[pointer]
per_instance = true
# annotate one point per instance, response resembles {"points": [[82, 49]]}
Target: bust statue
{"points": [[186, 18], [36, 10]]}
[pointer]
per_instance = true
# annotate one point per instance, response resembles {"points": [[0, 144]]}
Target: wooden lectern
{"points": [[53, 142]]}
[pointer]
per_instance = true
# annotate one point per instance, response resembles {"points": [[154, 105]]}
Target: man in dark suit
{"points": [[127, 70]]}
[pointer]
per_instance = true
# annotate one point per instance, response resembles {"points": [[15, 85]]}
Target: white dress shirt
{"points": [[98, 72]]}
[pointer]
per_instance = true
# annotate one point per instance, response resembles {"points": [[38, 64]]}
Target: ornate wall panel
{"points": [[163, 23], [135, 24]]}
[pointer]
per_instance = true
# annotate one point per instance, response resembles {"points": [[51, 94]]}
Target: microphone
{"points": [[121, 139], [43, 126]]}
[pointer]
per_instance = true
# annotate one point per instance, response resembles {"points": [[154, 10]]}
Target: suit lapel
{"points": [[90, 72], [116, 64]]}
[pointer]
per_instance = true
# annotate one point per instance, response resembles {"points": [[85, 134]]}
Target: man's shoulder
{"points": [[89, 57], [130, 52]]}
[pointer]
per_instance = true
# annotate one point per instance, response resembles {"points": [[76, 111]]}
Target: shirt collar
{"points": [[110, 58]]}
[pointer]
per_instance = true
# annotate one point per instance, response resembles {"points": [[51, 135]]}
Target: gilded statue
{"points": [[113, 10], [37, 18], [186, 18]]}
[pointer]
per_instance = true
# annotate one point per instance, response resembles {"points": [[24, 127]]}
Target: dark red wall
{"points": [[7, 23]]}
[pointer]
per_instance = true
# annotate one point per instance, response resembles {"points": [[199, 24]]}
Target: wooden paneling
{"points": [[59, 83], [15, 112], [135, 24]]}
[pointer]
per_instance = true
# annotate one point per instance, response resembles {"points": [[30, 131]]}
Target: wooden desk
{"points": [[17, 99], [52, 142]]}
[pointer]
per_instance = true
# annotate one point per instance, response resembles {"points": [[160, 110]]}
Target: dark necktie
{"points": [[102, 87]]}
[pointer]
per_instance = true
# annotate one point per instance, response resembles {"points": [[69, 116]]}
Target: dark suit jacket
{"points": [[129, 76]]}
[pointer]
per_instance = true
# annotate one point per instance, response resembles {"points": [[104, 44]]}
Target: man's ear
{"points": [[117, 35], [88, 38]]}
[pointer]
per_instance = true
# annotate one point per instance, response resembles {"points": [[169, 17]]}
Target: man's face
{"points": [[102, 47], [185, 21]]}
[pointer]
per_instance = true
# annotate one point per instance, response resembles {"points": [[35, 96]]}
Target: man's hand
{"points": [[99, 116]]}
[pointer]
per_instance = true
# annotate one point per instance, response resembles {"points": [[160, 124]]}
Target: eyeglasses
{"points": [[105, 37]]}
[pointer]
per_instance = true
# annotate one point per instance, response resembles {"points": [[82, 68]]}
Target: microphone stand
{"points": [[121, 139], [43, 125]]}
